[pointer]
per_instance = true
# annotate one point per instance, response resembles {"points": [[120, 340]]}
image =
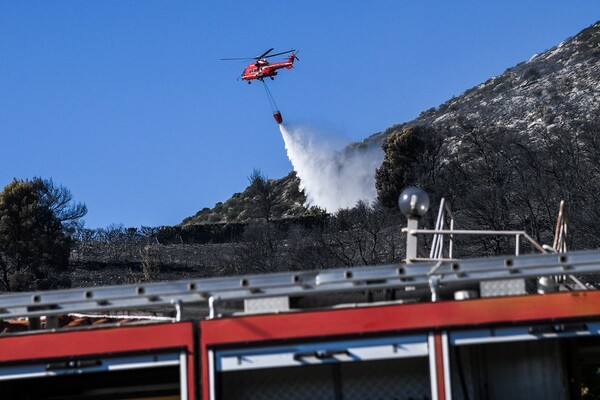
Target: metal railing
{"points": [[210, 293], [439, 234], [456, 232]]}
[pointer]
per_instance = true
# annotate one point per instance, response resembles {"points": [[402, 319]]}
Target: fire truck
{"points": [[519, 326]]}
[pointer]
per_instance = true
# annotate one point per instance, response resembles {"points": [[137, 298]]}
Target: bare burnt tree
{"points": [[259, 251], [363, 235], [59, 200]]}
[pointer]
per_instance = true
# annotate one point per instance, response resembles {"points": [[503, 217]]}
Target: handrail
{"points": [[437, 243], [517, 234], [560, 231]]}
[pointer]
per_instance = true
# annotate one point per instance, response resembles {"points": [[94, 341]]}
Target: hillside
{"points": [[283, 197], [557, 90], [506, 152], [559, 86]]}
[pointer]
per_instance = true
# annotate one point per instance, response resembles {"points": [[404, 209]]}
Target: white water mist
{"points": [[332, 174]]}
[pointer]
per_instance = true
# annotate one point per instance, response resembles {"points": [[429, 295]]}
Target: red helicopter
{"points": [[261, 68]]}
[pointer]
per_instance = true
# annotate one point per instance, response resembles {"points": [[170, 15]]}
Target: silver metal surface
{"points": [[523, 333], [322, 353], [70, 367], [433, 370], [454, 232], [183, 376], [298, 284]]}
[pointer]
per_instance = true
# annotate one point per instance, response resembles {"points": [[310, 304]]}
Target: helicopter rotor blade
{"points": [[239, 58], [263, 55], [283, 52]]}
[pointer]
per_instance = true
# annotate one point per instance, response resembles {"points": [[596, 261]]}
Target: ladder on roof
{"points": [[209, 292]]}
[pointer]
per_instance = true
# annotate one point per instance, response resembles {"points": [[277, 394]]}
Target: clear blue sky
{"points": [[126, 103]]}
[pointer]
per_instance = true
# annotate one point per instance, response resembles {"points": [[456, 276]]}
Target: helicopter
{"points": [[261, 68]]}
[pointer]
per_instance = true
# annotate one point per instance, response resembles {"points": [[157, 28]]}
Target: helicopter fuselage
{"points": [[262, 69]]}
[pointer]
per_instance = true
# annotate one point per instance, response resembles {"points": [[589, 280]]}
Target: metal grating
{"points": [[406, 378]]}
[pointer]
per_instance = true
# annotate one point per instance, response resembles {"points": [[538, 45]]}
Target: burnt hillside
{"points": [[504, 154]]}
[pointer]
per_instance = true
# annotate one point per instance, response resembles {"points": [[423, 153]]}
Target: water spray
{"points": [[333, 174]]}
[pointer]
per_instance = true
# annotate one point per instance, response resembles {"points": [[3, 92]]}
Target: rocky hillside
{"points": [[506, 152], [559, 86]]}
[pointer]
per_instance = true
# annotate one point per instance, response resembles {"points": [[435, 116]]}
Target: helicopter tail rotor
{"points": [[291, 60]]}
